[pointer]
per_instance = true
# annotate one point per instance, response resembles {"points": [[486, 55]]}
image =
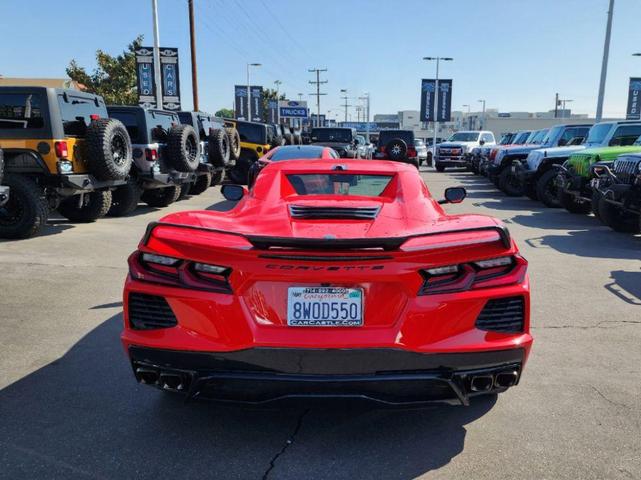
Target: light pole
{"points": [[468, 114], [249, 93], [604, 63], [483, 116], [563, 105], [157, 77], [437, 59], [300, 97], [345, 97], [277, 83], [366, 97]]}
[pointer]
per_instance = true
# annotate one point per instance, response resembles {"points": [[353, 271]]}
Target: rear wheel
{"points": [[572, 205], [185, 191], [219, 147], [108, 149], [87, 207], [124, 200], [26, 211], [217, 177], [510, 184], [161, 197], [183, 148], [234, 143], [617, 218], [201, 184], [547, 189]]}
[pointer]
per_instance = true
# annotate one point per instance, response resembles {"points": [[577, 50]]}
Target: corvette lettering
{"points": [[332, 268]]}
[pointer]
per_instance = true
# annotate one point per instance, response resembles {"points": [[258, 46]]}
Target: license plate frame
{"points": [[341, 314]]}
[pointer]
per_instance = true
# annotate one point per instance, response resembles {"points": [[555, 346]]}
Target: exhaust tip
{"points": [[148, 376], [481, 383], [171, 381], [507, 379]]}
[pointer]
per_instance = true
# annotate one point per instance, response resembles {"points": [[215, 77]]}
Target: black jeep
{"points": [[397, 145]]}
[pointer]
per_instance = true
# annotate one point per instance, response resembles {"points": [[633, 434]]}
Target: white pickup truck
{"points": [[456, 149]]}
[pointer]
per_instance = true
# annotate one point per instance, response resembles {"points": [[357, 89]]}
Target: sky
{"points": [[515, 54]]}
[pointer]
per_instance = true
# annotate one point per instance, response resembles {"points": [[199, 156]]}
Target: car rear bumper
{"points": [[383, 375], [77, 183], [157, 180], [451, 161]]}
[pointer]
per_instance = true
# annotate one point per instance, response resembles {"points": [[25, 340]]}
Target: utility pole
{"points": [[318, 93], [157, 77], [483, 116], [249, 94], [556, 106], [604, 64], [343, 90], [192, 38], [277, 83]]}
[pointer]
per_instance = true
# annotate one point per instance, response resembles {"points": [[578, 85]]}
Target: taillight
{"points": [[61, 149], [481, 274], [94, 116], [151, 154], [149, 267]]}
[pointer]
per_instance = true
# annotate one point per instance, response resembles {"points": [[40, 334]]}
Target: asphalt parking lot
{"points": [[70, 408]]}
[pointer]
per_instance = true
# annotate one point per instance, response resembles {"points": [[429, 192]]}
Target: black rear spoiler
{"points": [[386, 243]]}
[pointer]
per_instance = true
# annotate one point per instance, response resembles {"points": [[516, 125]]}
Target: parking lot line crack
{"points": [[612, 402], [286, 445]]}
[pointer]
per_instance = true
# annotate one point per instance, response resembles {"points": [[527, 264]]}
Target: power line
{"points": [[318, 93]]}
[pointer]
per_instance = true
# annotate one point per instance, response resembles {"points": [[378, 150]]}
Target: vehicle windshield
{"points": [[331, 135], [339, 184], [551, 135], [506, 139], [252, 132], [598, 133], [521, 138], [625, 135], [464, 137], [537, 137], [292, 152]]}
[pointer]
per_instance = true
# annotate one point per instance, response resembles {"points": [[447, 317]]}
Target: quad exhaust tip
{"points": [[481, 383], [148, 376], [171, 381], [506, 379]]}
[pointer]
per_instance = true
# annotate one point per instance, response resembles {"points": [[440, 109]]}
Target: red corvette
{"points": [[329, 279]]}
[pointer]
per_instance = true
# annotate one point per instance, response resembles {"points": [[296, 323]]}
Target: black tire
{"points": [[570, 203], [161, 197], [108, 149], [396, 149], [201, 184], [234, 143], [183, 148], [219, 148], [529, 189], [124, 200], [217, 178], [185, 191], [440, 168], [509, 184], [91, 207], [617, 218], [27, 210], [277, 141], [596, 199], [546, 189], [428, 160]]}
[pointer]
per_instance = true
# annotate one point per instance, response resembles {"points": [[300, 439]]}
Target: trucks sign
{"points": [[292, 109]]}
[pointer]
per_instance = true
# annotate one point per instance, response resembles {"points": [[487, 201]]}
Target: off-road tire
{"points": [[185, 191], [95, 205], [440, 168], [569, 202], [529, 190], [509, 185], [108, 152], [219, 147], [234, 143], [547, 191], [124, 200], [27, 210], [217, 178], [182, 148], [618, 219], [161, 197], [396, 149], [201, 184]]}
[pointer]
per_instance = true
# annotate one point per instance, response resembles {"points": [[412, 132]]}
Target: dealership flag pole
{"points": [[157, 77], [604, 64]]}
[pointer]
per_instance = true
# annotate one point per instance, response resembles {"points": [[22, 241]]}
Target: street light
{"points": [[563, 101], [249, 95], [468, 108], [483, 117], [366, 97], [300, 97], [438, 59], [345, 97]]}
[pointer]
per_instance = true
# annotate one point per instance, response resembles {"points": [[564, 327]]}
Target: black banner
{"points": [[240, 102], [272, 111], [634, 99], [170, 78], [444, 101], [427, 100], [257, 103]]}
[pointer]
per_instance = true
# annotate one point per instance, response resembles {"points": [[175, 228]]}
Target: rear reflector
{"points": [[502, 315], [149, 312], [61, 149]]}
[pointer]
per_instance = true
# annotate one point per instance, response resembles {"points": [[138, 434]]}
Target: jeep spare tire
{"points": [[108, 149], [183, 148], [234, 143], [396, 149], [219, 147]]}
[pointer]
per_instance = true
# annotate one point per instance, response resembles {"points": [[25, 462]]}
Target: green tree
{"points": [[225, 113], [114, 78], [270, 94]]}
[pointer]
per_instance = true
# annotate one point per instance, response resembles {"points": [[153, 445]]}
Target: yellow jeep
{"points": [[255, 142]]}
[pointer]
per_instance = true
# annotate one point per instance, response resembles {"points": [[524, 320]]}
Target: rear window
{"points": [[294, 152], [20, 111], [130, 121], [386, 135], [625, 135], [252, 132], [160, 123], [76, 112], [339, 184], [331, 135]]}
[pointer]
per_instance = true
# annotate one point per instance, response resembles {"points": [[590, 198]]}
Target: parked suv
{"points": [[166, 155], [60, 151], [482, 151], [397, 145], [519, 138], [342, 140], [546, 162], [454, 152]]}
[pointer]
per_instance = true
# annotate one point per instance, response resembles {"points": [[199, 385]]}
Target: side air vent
{"points": [[502, 315], [148, 312], [357, 213]]}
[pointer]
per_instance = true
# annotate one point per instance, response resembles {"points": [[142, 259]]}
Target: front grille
{"points": [[357, 213], [502, 315], [147, 312], [580, 164], [626, 169]]}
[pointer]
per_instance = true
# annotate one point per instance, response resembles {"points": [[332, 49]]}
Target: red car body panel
{"points": [[253, 313]]}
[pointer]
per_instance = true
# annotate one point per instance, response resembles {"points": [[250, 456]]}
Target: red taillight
{"points": [[94, 116], [467, 276], [62, 151], [151, 154]]}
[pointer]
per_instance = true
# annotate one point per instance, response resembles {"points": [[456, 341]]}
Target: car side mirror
{"points": [[233, 193], [454, 195], [482, 142]]}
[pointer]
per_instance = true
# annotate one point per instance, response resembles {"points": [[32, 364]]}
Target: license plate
{"points": [[324, 307]]}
